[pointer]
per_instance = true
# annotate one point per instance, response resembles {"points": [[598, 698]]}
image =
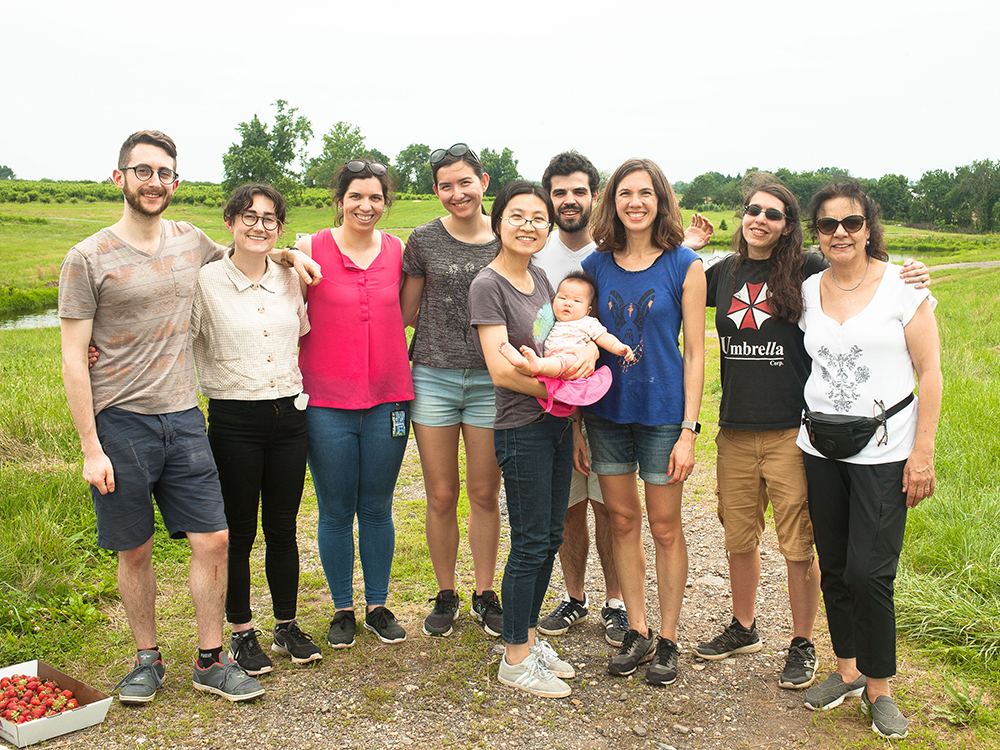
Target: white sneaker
{"points": [[532, 676], [548, 656]]}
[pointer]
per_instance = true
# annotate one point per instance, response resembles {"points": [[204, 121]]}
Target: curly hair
{"points": [[785, 265], [668, 229]]}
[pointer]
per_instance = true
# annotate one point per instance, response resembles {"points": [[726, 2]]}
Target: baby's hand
{"points": [[626, 352]]}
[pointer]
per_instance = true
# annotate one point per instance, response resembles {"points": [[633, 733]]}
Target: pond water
{"points": [[50, 318], [38, 319]]}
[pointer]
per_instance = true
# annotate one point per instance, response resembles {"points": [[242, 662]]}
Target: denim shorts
{"points": [[445, 397], [623, 448], [165, 457]]}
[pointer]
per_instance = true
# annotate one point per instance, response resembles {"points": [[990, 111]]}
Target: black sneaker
{"points": [[298, 645], [342, 627], [663, 669], [735, 639], [800, 665], [569, 612], [616, 623], [445, 612], [486, 608], [636, 649], [383, 624], [245, 650]]}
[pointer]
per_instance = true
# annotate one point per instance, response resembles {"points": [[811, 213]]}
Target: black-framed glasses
{"points": [[143, 172], [771, 214], [828, 225], [359, 165], [458, 150], [250, 219], [519, 221]]}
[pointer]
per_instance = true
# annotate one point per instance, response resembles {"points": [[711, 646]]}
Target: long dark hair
{"points": [[851, 190], [668, 229], [785, 267], [510, 190], [343, 178]]}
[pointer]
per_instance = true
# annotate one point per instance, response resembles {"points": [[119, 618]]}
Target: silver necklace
{"points": [[851, 289]]}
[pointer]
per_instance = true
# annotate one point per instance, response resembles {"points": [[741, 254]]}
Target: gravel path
{"points": [[444, 692]]}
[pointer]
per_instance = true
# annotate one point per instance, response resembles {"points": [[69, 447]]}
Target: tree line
{"points": [[967, 198], [277, 154]]}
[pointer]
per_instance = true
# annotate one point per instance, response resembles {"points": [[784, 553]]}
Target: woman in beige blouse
{"points": [[246, 321]]}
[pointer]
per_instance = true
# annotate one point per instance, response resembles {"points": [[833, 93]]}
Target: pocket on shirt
{"points": [[185, 277]]}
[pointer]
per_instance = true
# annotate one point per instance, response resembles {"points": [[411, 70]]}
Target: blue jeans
{"points": [[354, 458], [537, 464]]}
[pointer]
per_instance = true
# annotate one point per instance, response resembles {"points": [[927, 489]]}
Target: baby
{"points": [[573, 329]]}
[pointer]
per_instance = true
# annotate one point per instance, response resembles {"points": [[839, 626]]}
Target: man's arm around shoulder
{"points": [[97, 469]]}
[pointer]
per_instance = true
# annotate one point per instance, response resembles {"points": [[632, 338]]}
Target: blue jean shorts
{"points": [[165, 457], [445, 397], [623, 448]]}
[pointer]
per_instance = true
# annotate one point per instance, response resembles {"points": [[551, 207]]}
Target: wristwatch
{"points": [[695, 427]]}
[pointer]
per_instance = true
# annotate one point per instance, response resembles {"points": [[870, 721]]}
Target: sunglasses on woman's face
{"points": [[828, 225], [358, 165], [458, 150], [771, 214]]}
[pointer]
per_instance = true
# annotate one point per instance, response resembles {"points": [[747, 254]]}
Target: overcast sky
{"points": [[873, 87]]}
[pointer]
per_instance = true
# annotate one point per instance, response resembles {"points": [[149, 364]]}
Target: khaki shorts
{"points": [[752, 469], [585, 487]]}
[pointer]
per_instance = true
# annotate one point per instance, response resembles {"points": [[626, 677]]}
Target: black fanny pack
{"points": [[843, 435]]}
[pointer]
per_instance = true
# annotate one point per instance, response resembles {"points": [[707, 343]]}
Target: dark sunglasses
{"points": [[852, 224], [359, 165], [458, 150], [771, 214]]}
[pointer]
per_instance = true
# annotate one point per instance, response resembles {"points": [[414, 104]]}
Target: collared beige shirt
{"points": [[246, 334]]}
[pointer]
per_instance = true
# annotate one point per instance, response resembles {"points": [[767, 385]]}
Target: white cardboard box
{"points": [[92, 709]]}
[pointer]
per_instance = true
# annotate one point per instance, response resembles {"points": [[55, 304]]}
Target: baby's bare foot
{"points": [[533, 362], [512, 355]]}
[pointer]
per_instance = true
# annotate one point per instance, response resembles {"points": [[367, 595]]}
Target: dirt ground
{"points": [[444, 692]]}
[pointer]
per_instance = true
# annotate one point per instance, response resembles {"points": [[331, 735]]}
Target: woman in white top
{"points": [[871, 337], [246, 320]]}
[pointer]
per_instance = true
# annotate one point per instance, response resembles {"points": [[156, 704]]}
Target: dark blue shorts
{"points": [[165, 457]]}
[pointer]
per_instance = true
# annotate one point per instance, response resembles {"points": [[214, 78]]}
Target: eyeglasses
{"points": [[458, 150], [359, 165], [828, 225], [519, 221], [144, 172], [771, 214], [250, 219]]}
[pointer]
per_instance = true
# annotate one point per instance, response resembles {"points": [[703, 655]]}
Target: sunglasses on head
{"points": [[828, 225], [358, 165], [771, 214], [458, 150]]}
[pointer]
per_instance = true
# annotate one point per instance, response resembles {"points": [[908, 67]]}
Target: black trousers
{"points": [[858, 515], [260, 451]]}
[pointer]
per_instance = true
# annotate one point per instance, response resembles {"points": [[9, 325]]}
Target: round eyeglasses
{"points": [[250, 219], [143, 172], [519, 221]]}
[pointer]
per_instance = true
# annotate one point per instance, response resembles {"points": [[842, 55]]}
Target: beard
{"points": [[573, 224], [140, 206]]}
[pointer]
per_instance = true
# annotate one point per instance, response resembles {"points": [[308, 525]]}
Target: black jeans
{"points": [[858, 515], [260, 451]]}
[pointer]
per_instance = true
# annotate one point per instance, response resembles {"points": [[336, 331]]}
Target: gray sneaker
{"points": [[532, 676], [636, 649], [616, 624], [140, 685], [832, 691], [551, 661], [227, 679], [887, 721], [663, 669]]}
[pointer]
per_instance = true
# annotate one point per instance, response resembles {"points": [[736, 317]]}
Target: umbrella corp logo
{"points": [[749, 308]]}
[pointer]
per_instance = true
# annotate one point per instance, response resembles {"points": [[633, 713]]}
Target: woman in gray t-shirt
{"points": [[510, 302], [453, 394]]}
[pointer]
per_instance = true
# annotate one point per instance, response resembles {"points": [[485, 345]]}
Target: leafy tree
{"points": [[6, 173], [730, 194], [701, 190], [979, 185], [934, 198], [414, 169], [268, 154], [892, 191], [501, 167], [341, 144]]}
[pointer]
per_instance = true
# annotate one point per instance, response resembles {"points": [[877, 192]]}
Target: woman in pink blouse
{"points": [[356, 372]]}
